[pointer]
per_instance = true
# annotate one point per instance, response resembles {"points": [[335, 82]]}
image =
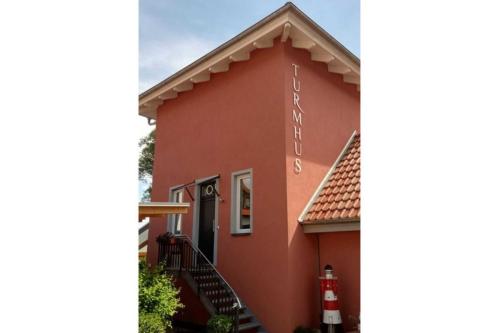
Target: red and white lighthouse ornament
{"points": [[331, 310]]}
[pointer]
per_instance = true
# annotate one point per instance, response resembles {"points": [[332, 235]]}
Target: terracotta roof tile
{"points": [[341, 205], [328, 190], [357, 204], [354, 195], [339, 198], [328, 214]]}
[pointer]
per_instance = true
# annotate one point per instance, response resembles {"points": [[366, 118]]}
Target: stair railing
{"points": [[177, 253]]}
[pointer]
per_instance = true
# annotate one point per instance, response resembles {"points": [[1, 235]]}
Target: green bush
{"points": [[220, 324], [151, 323], [158, 299]]}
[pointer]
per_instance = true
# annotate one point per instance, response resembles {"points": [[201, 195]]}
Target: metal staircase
{"points": [[179, 256]]}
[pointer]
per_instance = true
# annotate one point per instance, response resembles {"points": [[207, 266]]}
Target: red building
{"points": [[261, 136]]}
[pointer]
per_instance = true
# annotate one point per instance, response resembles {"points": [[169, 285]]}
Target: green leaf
{"points": [[157, 295]]}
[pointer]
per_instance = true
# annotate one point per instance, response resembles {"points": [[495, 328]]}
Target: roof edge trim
{"points": [[303, 31], [334, 221], [317, 228]]}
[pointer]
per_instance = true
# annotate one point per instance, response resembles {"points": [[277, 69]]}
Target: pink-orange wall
{"points": [[231, 123], [242, 119], [331, 114]]}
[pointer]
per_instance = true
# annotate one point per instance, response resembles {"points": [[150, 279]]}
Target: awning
{"points": [[196, 182], [161, 209]]}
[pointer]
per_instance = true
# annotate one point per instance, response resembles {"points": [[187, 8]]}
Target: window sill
{"points": [[241, 233]]}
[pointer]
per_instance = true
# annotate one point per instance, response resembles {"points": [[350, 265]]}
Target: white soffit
{"points": [[290, 23], [331, 227]]}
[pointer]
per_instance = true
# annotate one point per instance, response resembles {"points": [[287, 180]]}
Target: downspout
{"points": [[319, 274]]}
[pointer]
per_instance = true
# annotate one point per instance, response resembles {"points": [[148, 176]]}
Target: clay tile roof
{"points": [[338, 199]]}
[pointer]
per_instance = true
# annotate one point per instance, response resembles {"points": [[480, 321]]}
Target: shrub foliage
{"points": [[151, 323], [220, 324], [146, 161], [158, 299]]}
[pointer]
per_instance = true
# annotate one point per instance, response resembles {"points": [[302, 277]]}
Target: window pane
{"points": [[245, 188], [177, 217]]}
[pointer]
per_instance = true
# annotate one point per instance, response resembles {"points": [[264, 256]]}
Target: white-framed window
{"points": [[242, 202], [176, 219]]}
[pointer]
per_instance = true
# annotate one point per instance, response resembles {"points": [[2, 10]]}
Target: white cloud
{"points": [[159, 59]]}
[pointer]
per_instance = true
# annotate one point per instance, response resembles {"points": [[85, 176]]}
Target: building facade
{"points": [[257, 136]]}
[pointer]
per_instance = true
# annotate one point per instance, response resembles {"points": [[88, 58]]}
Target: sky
{"points": [[174, 33]]}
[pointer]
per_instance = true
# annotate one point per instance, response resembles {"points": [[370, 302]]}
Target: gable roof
{"points": [[337, 199], [289, 22]]}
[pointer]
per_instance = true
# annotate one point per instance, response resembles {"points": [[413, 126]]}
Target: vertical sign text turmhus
{"points": [[297, 121]]}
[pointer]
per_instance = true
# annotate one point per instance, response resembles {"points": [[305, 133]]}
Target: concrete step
{"points": [[243, 316], [248, 326]]}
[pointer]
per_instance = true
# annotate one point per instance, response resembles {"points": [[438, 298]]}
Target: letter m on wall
{"points": [[297, 118]]}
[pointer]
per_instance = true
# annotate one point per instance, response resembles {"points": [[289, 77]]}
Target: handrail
{"points": [[185, 262], [213, 267]]}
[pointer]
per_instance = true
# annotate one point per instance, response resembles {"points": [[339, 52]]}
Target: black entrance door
{"points": [[207, 220]]}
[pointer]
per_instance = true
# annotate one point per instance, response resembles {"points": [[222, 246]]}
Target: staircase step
{"points": [[228, 308], [220, 301], [212, 287], [209, 283], [229, 311], [244, 316], [216, 293], [206, 282], [204, 276], [248, 326]]}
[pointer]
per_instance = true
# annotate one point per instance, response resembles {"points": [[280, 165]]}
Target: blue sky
{"points": [[174, 33]]}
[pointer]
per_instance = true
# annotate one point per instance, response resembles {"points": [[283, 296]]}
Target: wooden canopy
{"points": [[161, 209]]}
